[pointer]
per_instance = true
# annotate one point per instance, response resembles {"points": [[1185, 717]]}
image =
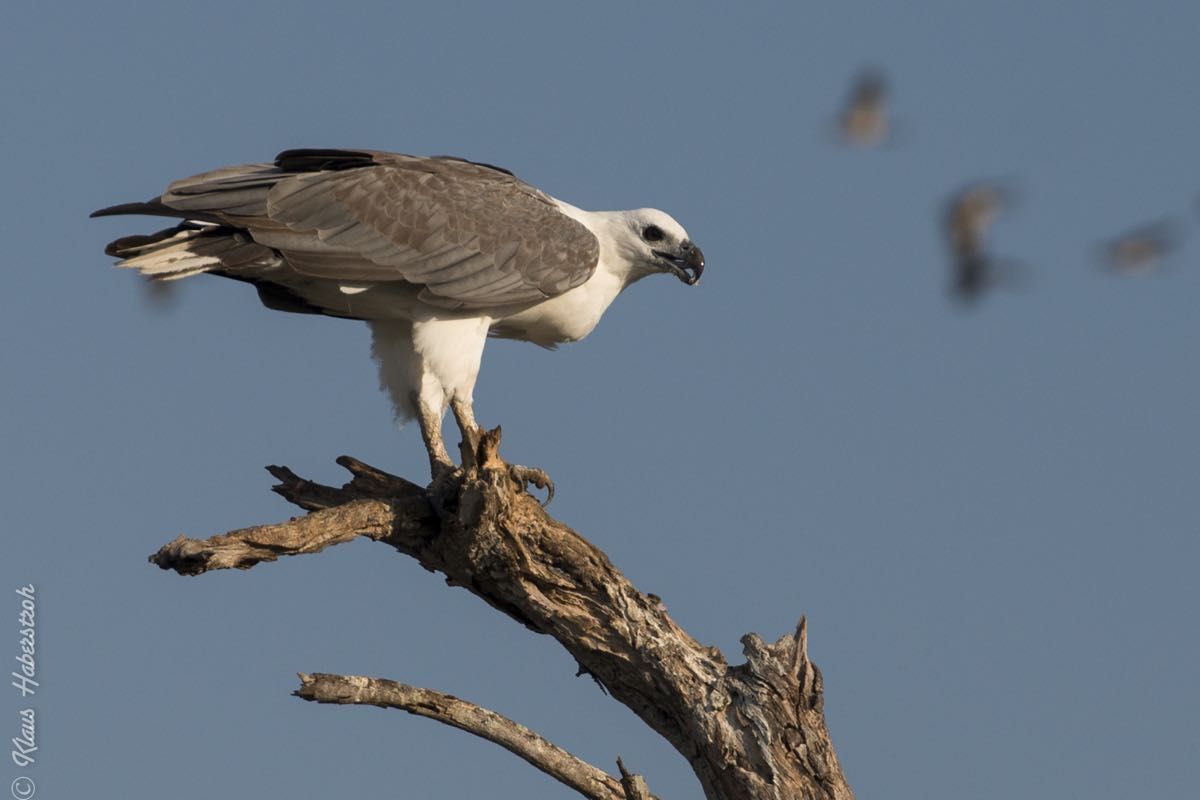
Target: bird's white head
{"points": [[651, 241]]}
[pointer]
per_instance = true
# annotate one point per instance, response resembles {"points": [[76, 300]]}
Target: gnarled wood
{"points": [[754, 731]]}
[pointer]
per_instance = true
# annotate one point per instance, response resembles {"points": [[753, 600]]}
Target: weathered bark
{"points": [[548, 757], [634, 785], [750, 732]]}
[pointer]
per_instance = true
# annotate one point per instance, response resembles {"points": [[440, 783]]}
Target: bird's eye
{"points": [[652, 233]]}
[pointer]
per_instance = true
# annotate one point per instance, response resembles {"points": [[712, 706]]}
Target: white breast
{"points": [[566, 318]]}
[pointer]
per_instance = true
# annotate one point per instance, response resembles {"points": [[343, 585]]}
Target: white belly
{"points": [[566, 318]]}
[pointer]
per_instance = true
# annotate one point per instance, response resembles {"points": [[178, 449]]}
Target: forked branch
{"points": [[752, 731]]}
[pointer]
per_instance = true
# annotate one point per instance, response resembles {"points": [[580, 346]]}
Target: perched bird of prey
{"points": [[435, 254], [1140, 250], [969, 216], [863, 121]]}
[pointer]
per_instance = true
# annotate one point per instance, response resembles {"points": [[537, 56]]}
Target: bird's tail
{"points": [[172, 253], [191, 247], [204, 240]]}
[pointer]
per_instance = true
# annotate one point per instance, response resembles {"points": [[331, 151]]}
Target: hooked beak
{"points": [[687, 264]]}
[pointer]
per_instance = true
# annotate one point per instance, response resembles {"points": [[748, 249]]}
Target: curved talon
{"points": [[527, 475]]}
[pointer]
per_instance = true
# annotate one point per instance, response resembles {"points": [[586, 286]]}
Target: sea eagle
{"points": [[434, 254]]}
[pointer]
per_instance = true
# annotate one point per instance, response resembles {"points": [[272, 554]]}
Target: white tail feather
{"points": [[170, 259]]}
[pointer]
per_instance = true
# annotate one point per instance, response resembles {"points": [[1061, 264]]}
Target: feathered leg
{"points": [[415, 392], [448, 352]]}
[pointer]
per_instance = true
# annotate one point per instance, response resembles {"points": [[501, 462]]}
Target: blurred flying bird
{"points": [[1140, 250], [434, 254], [969, 216], [971, 213], [863, 120]]}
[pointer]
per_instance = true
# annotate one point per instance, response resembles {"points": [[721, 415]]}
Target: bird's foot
{"points": [[538, 477]]}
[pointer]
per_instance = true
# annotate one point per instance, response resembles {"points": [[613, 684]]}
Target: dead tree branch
{"points": [[516, 738], [754, 731]]}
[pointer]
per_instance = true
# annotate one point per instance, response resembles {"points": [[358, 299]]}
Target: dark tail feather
{"points": [[154, 207], [126, 245]]}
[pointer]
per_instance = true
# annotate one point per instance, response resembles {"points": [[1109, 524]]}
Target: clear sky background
{"points": [[989, 515]]}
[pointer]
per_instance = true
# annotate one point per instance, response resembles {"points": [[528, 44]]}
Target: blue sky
{"points": [[989, 515]]}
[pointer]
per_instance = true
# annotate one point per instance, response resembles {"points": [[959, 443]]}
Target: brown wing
{"points": [[471, 234]]}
